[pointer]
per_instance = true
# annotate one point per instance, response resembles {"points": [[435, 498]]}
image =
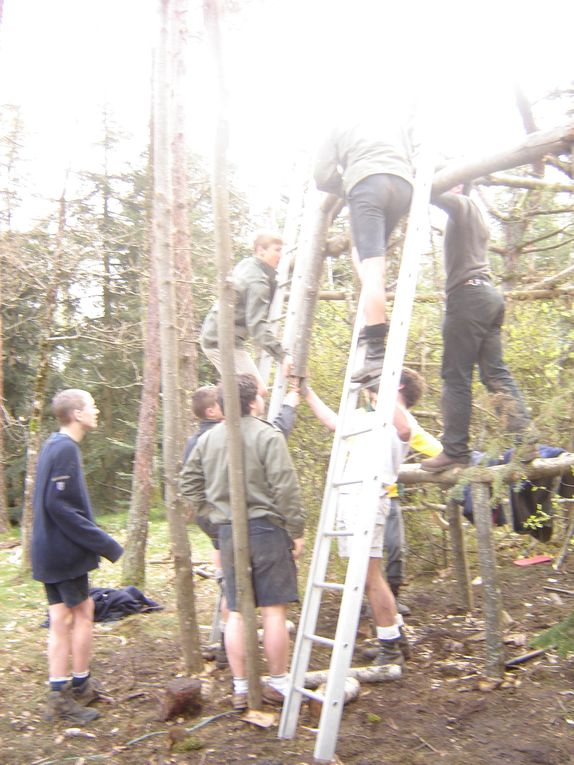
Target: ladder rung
{"points": [[329, 585], [310, 694], [338, 533], [320, 639], [347, 483], [356, 432]]}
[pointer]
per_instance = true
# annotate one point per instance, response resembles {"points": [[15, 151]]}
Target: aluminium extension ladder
{"points": [[378, 471]]}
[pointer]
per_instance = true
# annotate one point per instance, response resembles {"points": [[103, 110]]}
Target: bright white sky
{"points": [[293, 65]]}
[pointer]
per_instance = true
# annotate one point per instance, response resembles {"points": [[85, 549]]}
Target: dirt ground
{"points": [[441, 711]]}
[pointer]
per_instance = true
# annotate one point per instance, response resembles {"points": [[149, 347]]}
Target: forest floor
{"points": [[441, 711]]}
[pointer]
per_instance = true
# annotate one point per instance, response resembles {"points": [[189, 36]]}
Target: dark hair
{"points": [[202, 399], [66, 402], [248, 388], [412, 384]]}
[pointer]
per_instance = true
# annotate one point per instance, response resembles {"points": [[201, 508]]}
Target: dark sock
{"points": [[57, 685], [77, 682], [375, 330]]}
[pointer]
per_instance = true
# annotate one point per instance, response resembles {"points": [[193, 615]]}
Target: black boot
{"points": [[375, 336]]}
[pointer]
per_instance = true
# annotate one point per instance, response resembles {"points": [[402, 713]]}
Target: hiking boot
{"points": [[90, 690], [239, 702], [374, 356], [404, 644], [390, 659], [402, 608], [62, 706], [221, 661], [271, 695], [443, 462]]}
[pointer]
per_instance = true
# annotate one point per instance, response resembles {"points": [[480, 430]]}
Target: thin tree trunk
{"points": [[35, 421], [460, 560], [4, 515], [182, 239], [230, 393], [492, 601], [133, 568], [163, 258]]}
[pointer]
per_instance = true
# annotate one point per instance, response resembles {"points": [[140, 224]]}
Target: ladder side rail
{"points": [[321, 550], [301, 273], [295, 212]]}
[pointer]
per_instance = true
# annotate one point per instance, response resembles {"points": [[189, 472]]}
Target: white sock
{"points": [[239, 685], [388, 633], [279, 682]]}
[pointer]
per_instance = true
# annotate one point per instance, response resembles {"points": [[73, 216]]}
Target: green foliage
{"points": [[561, 637]]}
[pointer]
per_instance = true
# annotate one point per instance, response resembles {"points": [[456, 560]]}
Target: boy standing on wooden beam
{"points": [[254, 283]]}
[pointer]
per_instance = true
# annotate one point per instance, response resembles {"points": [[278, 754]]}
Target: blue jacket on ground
{"points": [[66, 542]]}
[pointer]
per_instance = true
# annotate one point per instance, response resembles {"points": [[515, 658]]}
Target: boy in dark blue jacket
{"points": [[66, 544]]}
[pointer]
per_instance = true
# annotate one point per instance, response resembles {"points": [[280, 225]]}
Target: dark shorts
{"points": [[273, 571], [376, 204], [70, 592]]}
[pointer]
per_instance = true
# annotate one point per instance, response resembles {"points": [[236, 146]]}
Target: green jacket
{"points": [[271, 487], [358, 150], [254, 283]]}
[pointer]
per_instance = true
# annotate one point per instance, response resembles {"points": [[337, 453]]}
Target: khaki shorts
{"points": [[347, 512], [242, 362]]}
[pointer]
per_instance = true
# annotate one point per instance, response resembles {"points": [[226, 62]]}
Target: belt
{"points": [[476, 282]]}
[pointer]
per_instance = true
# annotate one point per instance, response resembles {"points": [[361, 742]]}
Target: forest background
{"points": [[76, 280]]}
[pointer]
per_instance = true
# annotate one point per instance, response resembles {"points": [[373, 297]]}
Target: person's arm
{"points": [[282, 480], [453, 204], [256, 311], [285, 420], [192, 482], [424, 442], [326, 173], [322, 412], [402, 423], [63, 503]]}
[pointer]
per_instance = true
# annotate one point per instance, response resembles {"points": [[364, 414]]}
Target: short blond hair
{"points": [[65, 403], [265, 239]]}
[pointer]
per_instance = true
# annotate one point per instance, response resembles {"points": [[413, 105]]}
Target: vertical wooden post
{"points": [[244, 588], [492, 601], [459, 557]]}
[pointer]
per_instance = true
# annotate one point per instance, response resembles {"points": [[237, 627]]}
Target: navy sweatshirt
{"points": [[66, 543]]}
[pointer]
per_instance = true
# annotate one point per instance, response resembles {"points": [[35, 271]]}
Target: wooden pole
{"points": [[243, 584], [460, 560], [492, 601]]}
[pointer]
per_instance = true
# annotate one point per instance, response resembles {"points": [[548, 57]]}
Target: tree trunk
{"points": [[536, 145], [220, 193], [492, 603], [4, 515], [133, 560], [181, 239], [163, 259], [35, 421]]}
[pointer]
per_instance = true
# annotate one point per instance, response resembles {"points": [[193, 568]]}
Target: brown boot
{"points": [[90, 690], [62, 706]]}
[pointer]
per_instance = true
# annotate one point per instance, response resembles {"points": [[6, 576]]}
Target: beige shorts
{"points": [[347, 512], [243, 362]]}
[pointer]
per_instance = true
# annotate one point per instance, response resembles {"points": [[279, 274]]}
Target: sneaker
{"points": [[61, 705], [89, 691], [443, 462], [271, 695], [239, 702]]}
